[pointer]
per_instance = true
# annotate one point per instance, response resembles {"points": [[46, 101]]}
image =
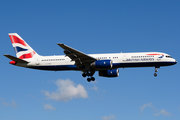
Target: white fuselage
{"points": [[119, 60]]}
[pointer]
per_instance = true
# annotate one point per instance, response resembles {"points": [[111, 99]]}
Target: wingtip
{"points": [[60, 44], [5, 54]]}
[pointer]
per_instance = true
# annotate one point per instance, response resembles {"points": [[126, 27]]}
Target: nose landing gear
{"points": [[155, 74]]}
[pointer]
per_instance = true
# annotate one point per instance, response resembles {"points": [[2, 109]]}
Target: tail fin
{"points": [[22, 49]]}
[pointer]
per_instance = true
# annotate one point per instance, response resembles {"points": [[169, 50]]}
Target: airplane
{"points": [[106, 64]]}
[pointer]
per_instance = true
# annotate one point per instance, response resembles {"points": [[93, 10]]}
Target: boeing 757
{"points": [[106, 64]]}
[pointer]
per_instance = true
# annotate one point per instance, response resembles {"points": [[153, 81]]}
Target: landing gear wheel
{"points": [[93, 79], [155, 74], [84, 75], [89, 79]]}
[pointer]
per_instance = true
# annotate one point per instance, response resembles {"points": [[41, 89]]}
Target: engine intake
{"points": [[102, 64], [109, 73]]}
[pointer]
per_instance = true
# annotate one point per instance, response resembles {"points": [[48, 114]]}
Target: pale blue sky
{"points": [[91, 26]]}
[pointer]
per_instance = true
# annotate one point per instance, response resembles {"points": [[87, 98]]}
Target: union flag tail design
{"points": [[22, 49]]}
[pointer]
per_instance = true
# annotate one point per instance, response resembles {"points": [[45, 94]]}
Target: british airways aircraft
{"points": [[106, 64]]}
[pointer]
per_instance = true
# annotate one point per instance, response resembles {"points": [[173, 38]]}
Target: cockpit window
{"points": [[168, 56]]}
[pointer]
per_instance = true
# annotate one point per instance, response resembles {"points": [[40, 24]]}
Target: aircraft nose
{"points": [[174, 60]]}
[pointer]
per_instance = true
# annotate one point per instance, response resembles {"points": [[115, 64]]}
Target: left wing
{"points": [[77, 56]]}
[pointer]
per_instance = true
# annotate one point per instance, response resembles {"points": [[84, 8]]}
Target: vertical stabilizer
{"points": [[22, 49]]}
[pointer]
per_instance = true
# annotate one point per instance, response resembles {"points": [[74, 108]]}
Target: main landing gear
{"points": [[90, 79], [155, 74], [90, 75]]}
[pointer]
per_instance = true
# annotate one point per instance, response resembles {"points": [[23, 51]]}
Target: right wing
{"points": [[77, 56]]}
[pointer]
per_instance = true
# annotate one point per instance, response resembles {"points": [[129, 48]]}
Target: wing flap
{"points": [[15, 59]]}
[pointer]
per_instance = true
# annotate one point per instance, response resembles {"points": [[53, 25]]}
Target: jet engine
{"points": [[109, 73], [102, 64]]}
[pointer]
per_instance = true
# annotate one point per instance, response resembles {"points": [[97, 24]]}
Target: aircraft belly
{"points": [[142, 64], [55, 67]]}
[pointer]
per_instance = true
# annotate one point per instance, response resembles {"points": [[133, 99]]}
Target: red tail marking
{"points": [[26, 56], [15, 39]]}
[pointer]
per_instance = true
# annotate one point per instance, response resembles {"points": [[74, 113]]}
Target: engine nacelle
{"points": [[102, 64], [109, 73]]}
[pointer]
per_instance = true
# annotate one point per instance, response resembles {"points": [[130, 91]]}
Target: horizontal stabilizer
{"points": [[15, 59]]}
